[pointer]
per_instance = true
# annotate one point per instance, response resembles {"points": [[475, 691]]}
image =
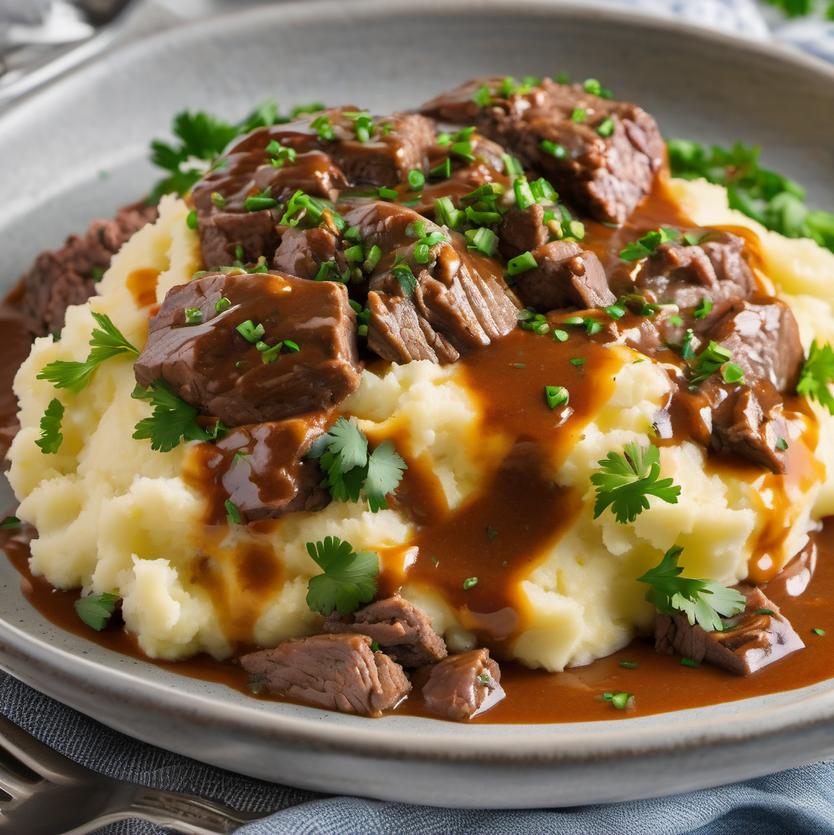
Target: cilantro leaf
{"points": [[51, 437], [96, 609], [350, 472], [105, 342], [628, 480], [817, 372], [171, 421], [385, 469], [348, 578], [348, 441], [702, 601]]}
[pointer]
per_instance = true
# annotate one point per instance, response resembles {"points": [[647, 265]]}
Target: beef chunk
{"points": [[338, 672], [401, 630], [65, 277], [398, 144], [262, 469], [609, 156], [228, 237], [763, 338], [751, 640], [749, 421], [438, 310], [216, 368], [715, 268], [398, 333], [523, 230], [303, 251], [462, 686], [566, 276], [320, 167]]}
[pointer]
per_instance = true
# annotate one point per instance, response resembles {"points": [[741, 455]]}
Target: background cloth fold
{"points": [[798, 801]]}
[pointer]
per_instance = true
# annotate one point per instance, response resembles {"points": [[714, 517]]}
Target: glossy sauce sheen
{"points": [[659, 684]]}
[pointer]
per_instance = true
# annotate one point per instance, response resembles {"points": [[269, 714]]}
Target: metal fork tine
{"points": [[35, 755]]}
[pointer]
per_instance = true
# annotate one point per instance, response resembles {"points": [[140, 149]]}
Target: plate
{"points": [[78, 150]]}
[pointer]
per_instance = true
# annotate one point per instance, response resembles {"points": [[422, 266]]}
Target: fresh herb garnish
{"points": [[627, 481], [202, 138], [171, 421], [714, 358], [348, 580], [96, 609], [51, 437], [702, 601], [11, 522], [703, 308], [817, 372], [646, 246], [351, 472], [556, 396], [105, 343], [618, 699], [773, 200], [469, 582]]}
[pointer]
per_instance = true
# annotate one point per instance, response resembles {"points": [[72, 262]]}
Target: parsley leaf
{"points": [[202, 138], [703, 601], [628, 480], [51, 437], [105, 343], [96, 609], [817, 372], [348, 580], [171, 421], [350, 471], [773, 200]]}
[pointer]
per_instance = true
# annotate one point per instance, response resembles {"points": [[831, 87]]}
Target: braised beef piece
{"points": [[462, 686], [607, 153], [303, 251], [436, 310], [233, 370], [566, 276], [65, 277], [399, 143], [763, 339], [756, 637], [321, 168], [523, 230], [337, 672], [400, 629], [683, 274], [263, 471]]}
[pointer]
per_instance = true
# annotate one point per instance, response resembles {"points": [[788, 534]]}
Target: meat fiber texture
{"points": [[113, 515]]}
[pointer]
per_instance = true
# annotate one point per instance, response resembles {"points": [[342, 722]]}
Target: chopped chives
{"points": [[556, 396], [521, 263]]}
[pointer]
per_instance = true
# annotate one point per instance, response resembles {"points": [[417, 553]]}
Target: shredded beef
{"points": [[66, 276]]}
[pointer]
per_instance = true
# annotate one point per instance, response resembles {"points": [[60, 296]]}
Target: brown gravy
{"points": [[660, 683]]}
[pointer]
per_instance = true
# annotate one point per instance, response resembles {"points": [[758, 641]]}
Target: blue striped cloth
{"points": [[799, 801]]}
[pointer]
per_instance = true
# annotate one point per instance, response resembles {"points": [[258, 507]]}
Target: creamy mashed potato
{"points": [[115, 516]]}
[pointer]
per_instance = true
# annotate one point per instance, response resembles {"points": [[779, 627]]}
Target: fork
{"points": [[43, 792]]}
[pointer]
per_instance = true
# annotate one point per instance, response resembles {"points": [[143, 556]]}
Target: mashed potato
{"points": [[115, 516]]}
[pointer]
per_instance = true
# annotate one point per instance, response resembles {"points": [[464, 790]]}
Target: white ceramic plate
{"points": [[77, 150]]}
